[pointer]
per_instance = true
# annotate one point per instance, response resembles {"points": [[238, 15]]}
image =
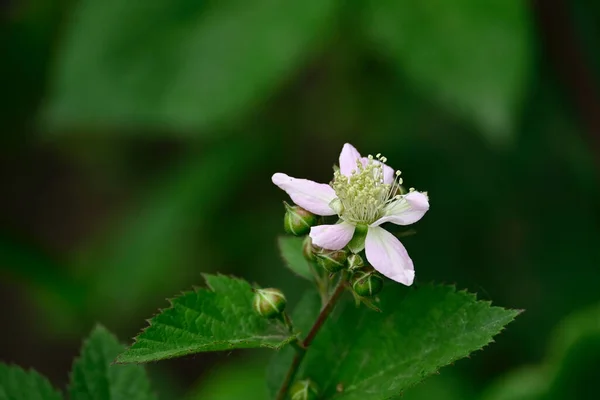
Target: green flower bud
{"points": [[269, 302], [304, 390], [309, 250], [367, 284], [297, 220], [355, 262], [332, 260]]}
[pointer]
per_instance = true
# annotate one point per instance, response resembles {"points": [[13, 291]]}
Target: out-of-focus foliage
{"points": [[570, 368], [179, 64], [155, 235], [16, 383], [438, 45], [447, 385], [95, 376], [232, 382], [138, 139]]}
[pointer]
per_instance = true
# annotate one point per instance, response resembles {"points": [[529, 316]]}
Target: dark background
{"points": [[139, 138]]}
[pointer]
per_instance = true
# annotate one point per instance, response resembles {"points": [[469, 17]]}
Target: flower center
{"points": [[362, 197]]}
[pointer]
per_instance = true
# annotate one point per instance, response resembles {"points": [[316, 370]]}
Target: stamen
{"points": [[364, 194]]}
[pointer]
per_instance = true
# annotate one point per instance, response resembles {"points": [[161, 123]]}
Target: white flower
{"points": [[364, 194]]}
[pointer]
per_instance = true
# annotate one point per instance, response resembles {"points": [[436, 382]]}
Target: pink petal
{"points": [[388, 172], [312, 196], [389, 175], [332, 237], [408, 210], [348, 158], [388, 256]]}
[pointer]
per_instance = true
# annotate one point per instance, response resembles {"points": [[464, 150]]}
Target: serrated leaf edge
{"points": [[488, 303], [125, 360]]}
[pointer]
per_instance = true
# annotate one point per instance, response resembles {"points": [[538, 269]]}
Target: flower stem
{"points": [[325, 312], [302, 347]]}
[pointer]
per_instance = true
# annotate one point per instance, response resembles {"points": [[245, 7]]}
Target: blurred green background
{"points": [[139, 138]]}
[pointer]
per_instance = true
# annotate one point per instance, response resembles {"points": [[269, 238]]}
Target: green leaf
{"points": [[357, 243], [218, 318], [472, 56], [375, 356], [96, 377], [18, 384], [182, 64], [291, 251]]}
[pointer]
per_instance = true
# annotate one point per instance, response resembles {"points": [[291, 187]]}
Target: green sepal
{"points": [[357, 243]]}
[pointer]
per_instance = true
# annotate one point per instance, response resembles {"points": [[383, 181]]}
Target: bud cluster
{"points": [[365, 282], [331, 261]]}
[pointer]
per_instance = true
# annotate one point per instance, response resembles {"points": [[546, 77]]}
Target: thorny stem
{"points": [[302, 347]]}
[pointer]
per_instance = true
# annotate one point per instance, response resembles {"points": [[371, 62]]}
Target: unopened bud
{"points": [[309, 249], [304, 390], [355, 262], [269, 303], [297, 220], [332, 260], [367, 284]]}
